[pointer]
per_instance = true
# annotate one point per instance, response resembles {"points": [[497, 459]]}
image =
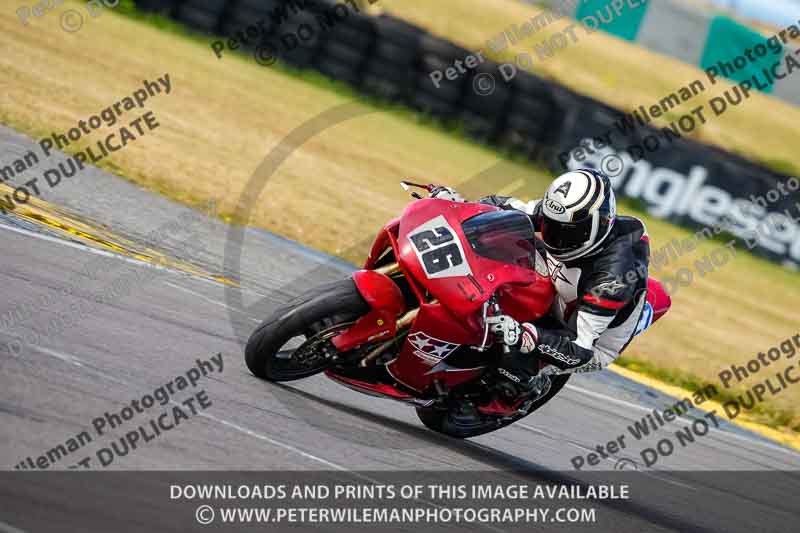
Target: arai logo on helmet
{"points": [[554, 206]]}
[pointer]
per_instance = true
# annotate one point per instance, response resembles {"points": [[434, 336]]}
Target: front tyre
{"points": [[465, 423], [272, 352]]}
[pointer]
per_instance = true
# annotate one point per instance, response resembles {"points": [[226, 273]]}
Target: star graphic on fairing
{"points": [[440, 351], [430, 349], [420, 343]]}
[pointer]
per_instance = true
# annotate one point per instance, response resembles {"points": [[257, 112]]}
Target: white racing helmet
{"points": [[578, 211]]}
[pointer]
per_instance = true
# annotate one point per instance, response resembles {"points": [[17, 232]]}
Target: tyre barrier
{"points": [[678, 178]]}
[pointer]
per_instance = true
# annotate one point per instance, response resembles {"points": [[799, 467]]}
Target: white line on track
{"points": [[642, 408], [104, 253], [274, 442], [614, 459], [73, 360], [211, 300], [58, 355], [260, 436], [6, 528], [121, 257], [76, 361]]}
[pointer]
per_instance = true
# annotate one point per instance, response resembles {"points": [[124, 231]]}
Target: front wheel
{"points": [[464, 423], [290, 344]]}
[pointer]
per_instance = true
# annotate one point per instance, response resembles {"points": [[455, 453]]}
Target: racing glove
{"points": [[550, 346], [518, 366], [446, 193], [512, 333]]}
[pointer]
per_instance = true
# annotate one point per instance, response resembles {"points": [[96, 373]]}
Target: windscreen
{"points": [[505, 236]]}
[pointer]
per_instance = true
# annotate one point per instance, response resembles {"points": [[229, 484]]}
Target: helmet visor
{"points": [[565, 237]]}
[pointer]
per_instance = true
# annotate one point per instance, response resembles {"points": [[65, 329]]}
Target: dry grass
{"points": [[221, 119], [223, 116], [616, 72]]}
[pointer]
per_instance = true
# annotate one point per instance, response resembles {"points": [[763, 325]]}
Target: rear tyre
{"points": [[462, 427], [321, 309]]}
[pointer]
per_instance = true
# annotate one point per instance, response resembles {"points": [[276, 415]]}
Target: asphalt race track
{"points": [[126, 346]]}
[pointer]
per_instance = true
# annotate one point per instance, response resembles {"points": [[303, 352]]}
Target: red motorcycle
{"points": [[418, 310]]}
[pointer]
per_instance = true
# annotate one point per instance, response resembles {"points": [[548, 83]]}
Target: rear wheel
{"points": [[291, 343], [463, 423]]}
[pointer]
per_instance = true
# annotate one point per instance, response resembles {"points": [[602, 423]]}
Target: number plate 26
{"points": [[439, 249]]}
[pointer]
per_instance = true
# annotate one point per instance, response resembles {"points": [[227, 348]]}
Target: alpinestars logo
{"points": [[610, 287], [509, 375], [555, 354], [430, 349]]}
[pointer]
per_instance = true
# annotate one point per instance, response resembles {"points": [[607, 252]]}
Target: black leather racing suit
{"points": [[599, 298]]}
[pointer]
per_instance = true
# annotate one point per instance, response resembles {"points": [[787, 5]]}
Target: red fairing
{"points": [[462, 281], [382, 241], [439, 263], [374, 389], [379, 291], [434, 335], [464, 292], [527, 303], [386, 301], [658, 298]]}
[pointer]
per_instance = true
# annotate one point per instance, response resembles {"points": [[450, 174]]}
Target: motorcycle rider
{"points": [[598, 265]]}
